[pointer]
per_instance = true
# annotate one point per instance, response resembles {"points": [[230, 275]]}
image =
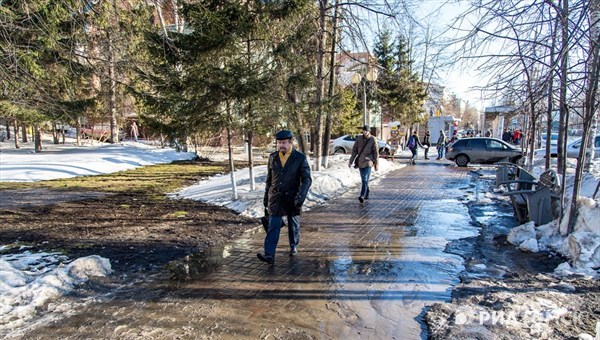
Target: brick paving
{"points": [[348, 251]]}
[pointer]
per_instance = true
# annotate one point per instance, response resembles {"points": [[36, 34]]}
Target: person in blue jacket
{"points": [[288, 181]]}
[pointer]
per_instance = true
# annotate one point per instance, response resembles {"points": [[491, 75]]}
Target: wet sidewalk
{"points": [[363, 271]]}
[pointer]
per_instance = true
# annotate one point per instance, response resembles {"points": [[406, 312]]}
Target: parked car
{"points": [[345, 143], [553, 139], [482, 150], [572, 149]]}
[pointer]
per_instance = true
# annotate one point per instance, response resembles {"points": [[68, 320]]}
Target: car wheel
{"points": [[339, 150], [384, 151], [462, 160]]}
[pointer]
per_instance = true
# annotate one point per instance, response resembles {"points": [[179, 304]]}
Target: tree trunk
{"points": [[54, 133], [589, 118], [331, 92], [112, 96], [250, 136], [16, 128], [24, 133], [7, 129], [38, 138], [317, 141], [564, 111], [230, 153]]}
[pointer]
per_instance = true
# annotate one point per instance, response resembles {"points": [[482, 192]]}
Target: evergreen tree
{"points": [[42, 73], [400, 90]]}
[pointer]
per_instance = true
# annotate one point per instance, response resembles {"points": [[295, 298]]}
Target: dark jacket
{"points": [[368, 149], [286, 187], [426, 140], [416, 144]]}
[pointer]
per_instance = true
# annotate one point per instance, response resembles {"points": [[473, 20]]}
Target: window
{"points": [[494, 144], [477, 144]]}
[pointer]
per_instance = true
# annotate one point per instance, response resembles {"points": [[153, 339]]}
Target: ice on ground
{"points": [[30, 282]]}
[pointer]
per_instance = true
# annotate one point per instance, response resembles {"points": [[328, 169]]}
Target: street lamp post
{"points": [[370, 76]]}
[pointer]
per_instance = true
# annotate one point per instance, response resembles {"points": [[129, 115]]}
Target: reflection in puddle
{"points": [[198, 265]]}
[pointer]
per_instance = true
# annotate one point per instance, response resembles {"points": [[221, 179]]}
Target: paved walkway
{"points": [[363, 271]]}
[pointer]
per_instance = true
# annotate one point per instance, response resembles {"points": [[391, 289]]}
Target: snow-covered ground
{"points": [[326, 184], [69, 160]]}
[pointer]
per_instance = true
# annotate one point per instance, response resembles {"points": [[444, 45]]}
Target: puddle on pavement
{"points": [[199, 264]]}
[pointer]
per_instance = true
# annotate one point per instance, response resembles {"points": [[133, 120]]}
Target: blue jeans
{"points": [[365, 174], [272, 238], [441, 151]]}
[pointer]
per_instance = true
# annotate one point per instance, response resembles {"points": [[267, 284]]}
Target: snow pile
{"points": [[582, 246], [66, 161], [326, 184], [31, 283], [524, 237]]}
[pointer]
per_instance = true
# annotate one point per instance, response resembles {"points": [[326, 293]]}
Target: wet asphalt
{"points": [[365, 271]]}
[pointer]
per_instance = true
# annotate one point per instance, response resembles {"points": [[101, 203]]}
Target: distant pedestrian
{"points": [[134, 131], [426, 143], [441, 144], [517, 136], [365, 155], [288, 181], [413, 144], [506, 136]]}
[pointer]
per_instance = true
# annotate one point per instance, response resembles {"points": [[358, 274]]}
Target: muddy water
{"points": [[363, 271]]}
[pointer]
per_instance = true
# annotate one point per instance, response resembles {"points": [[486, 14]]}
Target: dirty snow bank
{"points": [[534, 312], [32, 283], [326, 184], [582, 247], [520, 303]]}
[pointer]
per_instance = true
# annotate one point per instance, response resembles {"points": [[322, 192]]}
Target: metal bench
{"points": [[540, 203], [517, 177]]}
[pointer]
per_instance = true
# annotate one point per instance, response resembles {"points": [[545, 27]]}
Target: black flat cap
{"points": [[365, 128], [284, 134]]}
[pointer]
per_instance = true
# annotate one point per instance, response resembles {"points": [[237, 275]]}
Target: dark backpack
{"points": [[411, 142]]}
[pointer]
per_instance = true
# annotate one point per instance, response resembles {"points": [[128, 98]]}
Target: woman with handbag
{"points": [[365, 155]]}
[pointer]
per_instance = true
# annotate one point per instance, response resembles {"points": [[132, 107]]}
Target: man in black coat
{"points": [[288, 181]]}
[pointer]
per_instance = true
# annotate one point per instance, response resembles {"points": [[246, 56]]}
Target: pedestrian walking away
{"points": [[441, 144], [365, 155], [134, 131], [413, 144], [426, 143], [288, 181]]}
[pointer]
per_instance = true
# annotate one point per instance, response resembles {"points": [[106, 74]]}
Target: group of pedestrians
{"points": [[414, 144], [512, 136]]}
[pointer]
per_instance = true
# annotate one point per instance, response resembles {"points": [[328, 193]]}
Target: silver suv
{"points": [[482, 150]]}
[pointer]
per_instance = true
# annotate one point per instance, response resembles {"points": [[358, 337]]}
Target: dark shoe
{"points": [[293, 251], [366, 197], [266, 258], [361, 200], [426, 157]]}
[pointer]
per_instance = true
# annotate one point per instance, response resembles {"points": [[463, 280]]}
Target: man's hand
{"points": [[376, 167]]}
